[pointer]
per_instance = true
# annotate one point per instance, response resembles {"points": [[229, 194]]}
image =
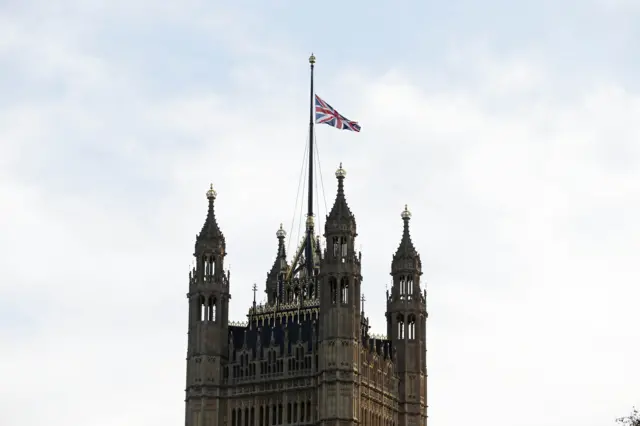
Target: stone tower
{"points": [[340, 280], [305, 355], [406, 327], [207, 351]]}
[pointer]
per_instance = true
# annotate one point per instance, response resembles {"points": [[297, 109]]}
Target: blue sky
{"points": [[509, 128]]}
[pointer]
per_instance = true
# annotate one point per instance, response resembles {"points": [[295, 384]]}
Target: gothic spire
{"points": [[340, 211], [210, 235], [280, 264], [406, 250]]}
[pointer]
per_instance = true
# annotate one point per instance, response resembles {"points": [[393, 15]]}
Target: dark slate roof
{"points": [[295, 330]]}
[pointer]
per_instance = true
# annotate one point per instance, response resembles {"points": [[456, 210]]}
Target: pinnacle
{"points": [[340, 209], [281, 257], [406, 250], [210, 230]]}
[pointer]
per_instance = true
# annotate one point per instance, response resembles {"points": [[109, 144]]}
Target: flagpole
{"points": [[309, 246]]}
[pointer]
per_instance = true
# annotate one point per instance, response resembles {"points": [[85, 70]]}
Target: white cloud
{"points": [[524, 205]]}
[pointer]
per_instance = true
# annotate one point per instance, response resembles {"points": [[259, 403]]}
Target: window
{"points": [[212, 309], [412, 327], [344, 290], [333, 285], [209, 263], [202, 306], [400, 327]]}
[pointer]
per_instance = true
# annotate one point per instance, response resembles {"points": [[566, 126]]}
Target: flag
{"points": [[326, 114]]}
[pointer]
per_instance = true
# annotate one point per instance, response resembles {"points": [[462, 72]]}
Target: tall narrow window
{"points": [[343, 246], [203, 309], [400, 327], [211, 309], [333, 287], [344, 290], [209, 266], [335, 247], [412, 327]]}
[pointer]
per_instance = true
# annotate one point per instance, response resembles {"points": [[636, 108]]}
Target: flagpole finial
{"points": [[312, 59]]}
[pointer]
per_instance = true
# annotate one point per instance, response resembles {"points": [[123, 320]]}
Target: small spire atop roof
{"points": [[210, 235], [340, 210], [280, 264], [406, 250]]}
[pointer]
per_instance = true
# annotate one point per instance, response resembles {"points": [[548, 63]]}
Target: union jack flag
{"points": [[326, 114]]}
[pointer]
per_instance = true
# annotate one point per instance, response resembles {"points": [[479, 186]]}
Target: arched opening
{"points": [[403, 286], [412, 327], [344, 290], [202, 306], [209, 262], [336, 249], [212, 309], [343, 246], [400, 320], [333, 286]]}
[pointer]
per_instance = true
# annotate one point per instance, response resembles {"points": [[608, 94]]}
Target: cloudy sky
{"points": [[511, 131]]}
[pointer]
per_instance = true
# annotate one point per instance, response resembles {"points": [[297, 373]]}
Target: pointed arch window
{"points": [[344, 290], [409, 287], [202, 308], [212, 309], [336, 248], [209, 266], [333, 287], [411, 327], [402, 281], [343, 246], [401, 327]]}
